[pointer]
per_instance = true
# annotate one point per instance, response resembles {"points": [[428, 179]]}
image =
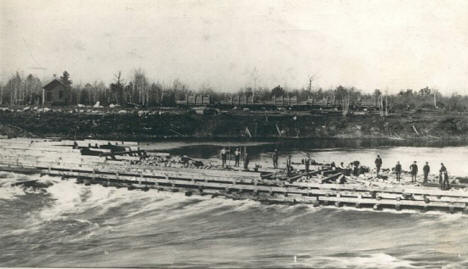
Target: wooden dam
{"points": [[118, 164]]}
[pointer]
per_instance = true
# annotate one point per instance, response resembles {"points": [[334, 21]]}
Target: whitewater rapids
{"points": [[73, 225]]}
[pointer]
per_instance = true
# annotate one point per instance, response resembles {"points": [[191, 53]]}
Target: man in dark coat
{"points": [[356, 168], [246, 161], [398, 171], [414, 171], [426, 170], [289, 165], [443, 178], [307, 162], [223, 154], [378, 164]]}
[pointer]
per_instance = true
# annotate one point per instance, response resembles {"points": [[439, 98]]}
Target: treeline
{"points": [[140, 91], [21, 90]]}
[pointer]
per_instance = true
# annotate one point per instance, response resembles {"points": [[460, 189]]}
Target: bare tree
{"points": [[140, 85], [117, 89]]}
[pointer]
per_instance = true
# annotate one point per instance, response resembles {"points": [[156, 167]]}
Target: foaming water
{"points": [[9, 193], [73, 225], [77, 225]]}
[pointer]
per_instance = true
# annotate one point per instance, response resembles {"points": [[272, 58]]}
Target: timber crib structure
{"points": [[65, 159]]}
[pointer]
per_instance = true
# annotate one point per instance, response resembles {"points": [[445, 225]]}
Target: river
{"points": [[72, 225]]}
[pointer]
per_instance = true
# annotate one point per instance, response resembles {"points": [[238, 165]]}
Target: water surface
{"points": [[72, 225]]}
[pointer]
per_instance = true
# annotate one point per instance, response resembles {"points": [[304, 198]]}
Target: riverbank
{"points": [[154, 126]]}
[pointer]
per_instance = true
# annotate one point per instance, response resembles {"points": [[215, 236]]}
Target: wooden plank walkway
{"points": [[49, 159]]}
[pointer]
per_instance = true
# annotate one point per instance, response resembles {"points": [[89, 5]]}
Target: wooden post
{"points": [[337, 202], [358, 204]]}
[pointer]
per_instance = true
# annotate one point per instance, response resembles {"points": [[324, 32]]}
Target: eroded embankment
{"points": [[134, 127]]}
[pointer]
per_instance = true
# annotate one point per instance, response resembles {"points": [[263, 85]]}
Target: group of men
{"points": [[237, 156], [443, 174], [307, 161], [275, 157]]}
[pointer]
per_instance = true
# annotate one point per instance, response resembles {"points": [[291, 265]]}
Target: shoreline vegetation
{"points": [[140, 91], [142, 110]]}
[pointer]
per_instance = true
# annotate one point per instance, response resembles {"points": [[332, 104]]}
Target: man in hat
{"points": [[426, 170], [307, 162], [378, 164], [237, 157], [414, 171], [398, 171], [443, 177], [223, 154]]}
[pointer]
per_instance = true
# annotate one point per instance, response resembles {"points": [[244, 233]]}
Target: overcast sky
{"points": [[226, 45]]}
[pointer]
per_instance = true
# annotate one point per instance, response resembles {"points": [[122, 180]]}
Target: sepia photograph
{"points": [[234, 134]]}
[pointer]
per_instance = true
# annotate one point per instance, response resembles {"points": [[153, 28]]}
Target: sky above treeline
{"points": [[227, 45]]}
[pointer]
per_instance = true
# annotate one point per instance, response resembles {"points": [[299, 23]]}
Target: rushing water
{"points": [[72, 225]]}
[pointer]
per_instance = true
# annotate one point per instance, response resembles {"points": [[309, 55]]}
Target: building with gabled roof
{"points": [[55, 93]]}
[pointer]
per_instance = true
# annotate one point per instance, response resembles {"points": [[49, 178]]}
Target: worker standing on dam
{"points": [[443, 178], [378, 164], [355, 168], [275, 158], [246, 160], [289, 165], [307, 162], [237, 157], [426, 170], [223, 157], [414, 171], [398, 171]]}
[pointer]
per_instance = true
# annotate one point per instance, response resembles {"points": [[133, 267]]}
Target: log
{"points": [[331, 178]]}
